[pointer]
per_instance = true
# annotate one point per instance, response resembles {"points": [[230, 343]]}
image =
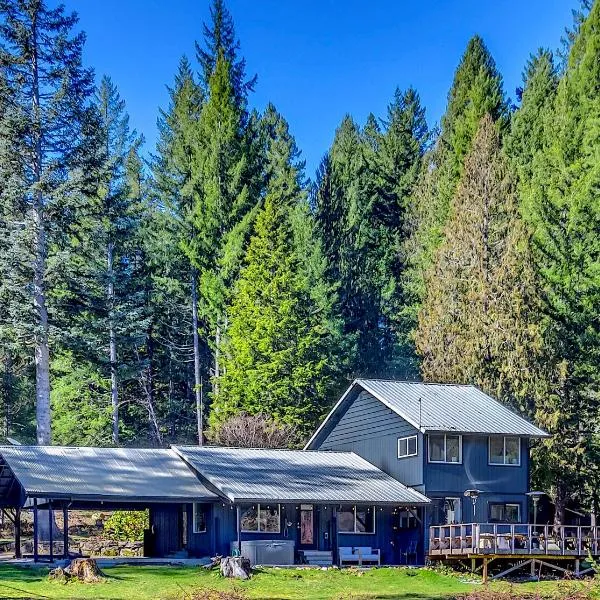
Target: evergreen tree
{"points": [[475, 92], [477, 324], [49, 95], [561, 207], [277, 352]]}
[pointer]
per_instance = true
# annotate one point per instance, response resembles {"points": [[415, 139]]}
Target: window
{"points": [[199, 518], [260, 518], [504, 451], [505, 513], [446, 511], [407, 446], [356, 519], [445, 448]]}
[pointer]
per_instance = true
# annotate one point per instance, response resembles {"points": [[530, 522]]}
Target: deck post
{"points": [[577, 567], [238, 515], [18, 532], [65, 531], [50, 534], [35, 530], [485, 570]]}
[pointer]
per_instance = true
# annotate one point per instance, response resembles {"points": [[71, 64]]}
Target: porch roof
{"points": [[243, 474], [103, 474]]}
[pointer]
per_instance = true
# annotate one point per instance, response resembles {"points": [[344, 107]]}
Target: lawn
{"points": [[172, 583]]}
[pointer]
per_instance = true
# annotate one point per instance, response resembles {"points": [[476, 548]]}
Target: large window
{"points": [[199, 518], [407, 446], [356, 519], [260, 518], [505, 450], [445, 448], [505, 513]]}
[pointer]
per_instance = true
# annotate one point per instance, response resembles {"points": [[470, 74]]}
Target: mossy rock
{"points": [[109, 552]]}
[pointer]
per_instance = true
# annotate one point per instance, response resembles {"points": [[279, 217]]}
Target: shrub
{"points": [[126, 525]]}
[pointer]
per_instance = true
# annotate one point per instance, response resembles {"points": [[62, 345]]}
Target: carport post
{"points": [[238, 518], [18, 532], [334, 536], [35, 530], [65, 531], [50, 523]]}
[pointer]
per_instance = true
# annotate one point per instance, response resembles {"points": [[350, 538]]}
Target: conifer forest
{"points": [[150, 295]]}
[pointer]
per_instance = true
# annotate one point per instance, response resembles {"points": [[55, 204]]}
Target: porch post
{"points": [[334, 536], [35, 530], [18, 532], [65, 531], [50, 523], [238, 518]]}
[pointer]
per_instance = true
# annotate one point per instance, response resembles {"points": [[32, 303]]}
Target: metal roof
{"points": [[442, 407], [125, 474], [243, 474]]}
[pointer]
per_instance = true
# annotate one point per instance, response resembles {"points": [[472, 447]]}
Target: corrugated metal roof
{"points": [[131, 474], [296, 476], [445, 407]]}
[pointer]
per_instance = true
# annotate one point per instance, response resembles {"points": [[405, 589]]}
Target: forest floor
{"points": [[186, 583]]}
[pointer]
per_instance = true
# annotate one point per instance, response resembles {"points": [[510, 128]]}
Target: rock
{"points": [[109, 552], [129, 552]]}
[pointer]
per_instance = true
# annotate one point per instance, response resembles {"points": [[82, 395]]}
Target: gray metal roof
{"points": [[243, 474], [125, 474], [443, 407]]}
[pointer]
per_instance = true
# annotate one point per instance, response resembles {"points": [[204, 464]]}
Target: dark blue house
{"points": [[441, 440], [391, 459]]}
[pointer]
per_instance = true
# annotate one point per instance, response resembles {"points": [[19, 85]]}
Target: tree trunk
{"points": [[560, 503], [42, 352], [114, 390], [197, 366]]}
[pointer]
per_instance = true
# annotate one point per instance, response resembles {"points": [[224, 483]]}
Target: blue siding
{"points": [[370, 429]]}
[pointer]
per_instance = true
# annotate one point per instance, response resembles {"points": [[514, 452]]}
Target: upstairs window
{"points": [[407, 446], [505, 450], [505, 513], [445, 448]]}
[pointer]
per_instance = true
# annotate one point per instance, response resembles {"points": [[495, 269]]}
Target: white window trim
{"points": [[195, 507], [361, 532], [503, 464], [408, 437], [258, 505], [445, 462]]}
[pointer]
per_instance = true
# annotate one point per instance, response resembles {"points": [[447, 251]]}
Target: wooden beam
{"points": [[514, 568], [35, 530], [65, 531], [17, 532], [238, 519], [50, 526]]}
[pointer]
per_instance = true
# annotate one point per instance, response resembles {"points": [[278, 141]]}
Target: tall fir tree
{"points": [[477, 324], [50, 98], [476, 91], [561, 207], [277, 355]]}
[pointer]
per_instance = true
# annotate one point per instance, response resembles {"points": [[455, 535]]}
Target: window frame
{"points": [[503, 464], [504, 505], [195, 507], [355, 532], [407, 438], [258, 520], [445, 461]]}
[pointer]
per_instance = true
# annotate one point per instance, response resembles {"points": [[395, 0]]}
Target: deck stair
{"points": [[320, 558]]}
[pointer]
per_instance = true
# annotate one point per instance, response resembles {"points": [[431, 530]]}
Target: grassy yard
{"points": [[171, 583]]}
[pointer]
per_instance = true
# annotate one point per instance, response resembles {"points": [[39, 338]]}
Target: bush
{"points": [[126, 525]]}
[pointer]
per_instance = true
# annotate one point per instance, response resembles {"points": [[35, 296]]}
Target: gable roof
{"points": [[432, 407], [130, 474], [243, 474]]}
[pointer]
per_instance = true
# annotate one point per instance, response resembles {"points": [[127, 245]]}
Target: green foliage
{"points": [[126, 525], [81, 403]]}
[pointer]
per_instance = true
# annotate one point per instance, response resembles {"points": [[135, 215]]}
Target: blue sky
{"points": [[317, 60]]}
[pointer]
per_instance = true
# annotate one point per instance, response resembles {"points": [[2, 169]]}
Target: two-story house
{"points": [[442, 440]]}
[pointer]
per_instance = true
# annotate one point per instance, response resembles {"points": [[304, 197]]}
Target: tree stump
{"points": [[237, 567], [83, 569]]}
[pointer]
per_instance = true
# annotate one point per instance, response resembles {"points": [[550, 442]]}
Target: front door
{"points": [[308, 534]]}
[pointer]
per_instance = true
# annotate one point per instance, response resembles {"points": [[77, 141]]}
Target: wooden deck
{"points": [[514, 540]]}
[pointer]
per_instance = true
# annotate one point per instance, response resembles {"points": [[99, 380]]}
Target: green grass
{"points": [[172, 583]]}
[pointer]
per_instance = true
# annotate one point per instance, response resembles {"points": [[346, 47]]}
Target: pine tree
{"points": [[475, 92], [50, 95], [276, 356], [477, 325], [561, 207]]}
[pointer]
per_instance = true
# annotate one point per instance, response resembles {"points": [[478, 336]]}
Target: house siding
{"points": [[165, 520], [371, 430]]}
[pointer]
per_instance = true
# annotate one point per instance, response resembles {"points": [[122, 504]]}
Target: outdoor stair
{"points": [[179, 554], [319, 558]]}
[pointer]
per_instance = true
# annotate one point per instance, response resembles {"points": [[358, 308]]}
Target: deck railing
{"points": [[514, 538]]}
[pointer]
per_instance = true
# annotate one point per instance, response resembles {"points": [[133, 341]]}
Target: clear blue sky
{"points": [[317, 60]]}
